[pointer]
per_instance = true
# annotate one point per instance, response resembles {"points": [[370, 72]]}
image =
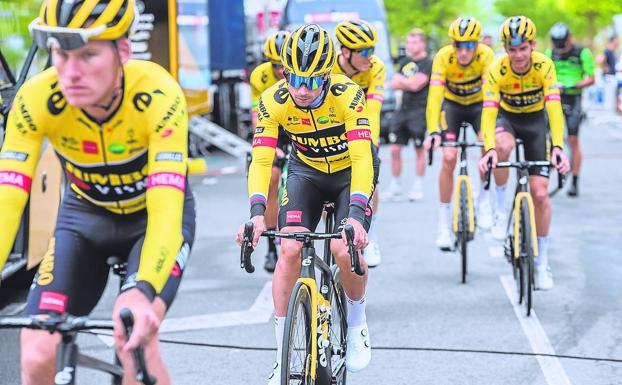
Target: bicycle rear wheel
{"points": [[296, 358], [527, 255]]}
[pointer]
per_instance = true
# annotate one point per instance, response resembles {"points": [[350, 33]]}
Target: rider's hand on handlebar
{"points": [[259, 227], [360, 235], [562, 164], [483, 163], [146, 321], [432, 140]]}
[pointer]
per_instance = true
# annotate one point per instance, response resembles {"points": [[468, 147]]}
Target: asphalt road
{"points": [[447, 332]]}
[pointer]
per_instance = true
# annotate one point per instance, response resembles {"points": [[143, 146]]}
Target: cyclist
{"points": [[119, 127], [575, 71], [262, 78], [325, 117], [456, 82], [408, 122], [358, 62], [526, 83]]}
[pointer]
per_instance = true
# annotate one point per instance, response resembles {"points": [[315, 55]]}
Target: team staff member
{"points": [[456, 82], [263, 77], [409, 121], [325, 117], [523, 83], [120, 129], [575, 71], [357, 61]]}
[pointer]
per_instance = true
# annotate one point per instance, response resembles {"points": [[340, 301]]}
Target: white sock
{"points": [[418, 182], [500, 193], [444, 214], [543, 254], [483, 194], [372, 234], [356, 312], [279, 330]]}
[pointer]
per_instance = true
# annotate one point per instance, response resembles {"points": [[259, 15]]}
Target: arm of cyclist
{"points": [[587, 68], [18, 161], [255, 82], [554, 110], [375, 97], [435, 96], [260, 170], [489, 117], [359, 136], [166, 183]]}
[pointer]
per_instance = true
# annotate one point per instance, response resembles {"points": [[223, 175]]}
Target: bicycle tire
{"points": [[527, 255], [338, 330], [298, 318], [463, 228]]}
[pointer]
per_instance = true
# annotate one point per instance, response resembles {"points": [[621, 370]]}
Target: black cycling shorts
{"points": [[74, 271], [407, 124], [455, 114], [571, 104], [532, 128], [306, 191]]}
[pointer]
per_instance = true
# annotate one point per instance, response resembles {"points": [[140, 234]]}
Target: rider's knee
{"points": [[504, 143], [449, 159], [540, 195], [38, 351], [290, 252], [339, 251]]}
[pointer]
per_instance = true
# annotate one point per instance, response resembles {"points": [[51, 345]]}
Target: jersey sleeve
{"points": [[553, 103], [587, 62], [264, 148], [256, 89], [435, 94], [490, 107], [375, 97], [18, 161], [166, 183], [358, 134]]}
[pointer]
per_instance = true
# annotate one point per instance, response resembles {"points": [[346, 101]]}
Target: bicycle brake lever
{"points": [[487, 185], [355, 262], [431, 150], [561, 178], [247, 248], [142, 375]]}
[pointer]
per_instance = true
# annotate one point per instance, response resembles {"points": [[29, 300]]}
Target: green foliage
{"points": [[14, 35], [431, 16]]}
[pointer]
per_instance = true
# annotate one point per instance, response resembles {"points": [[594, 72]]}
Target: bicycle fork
{"points": [[532, 221]]}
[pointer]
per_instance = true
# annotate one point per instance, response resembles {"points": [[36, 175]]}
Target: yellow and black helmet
{"points": [[465, 29], [272, 46], [356, 34], [116, 15], [516, 30], [308, 51]]}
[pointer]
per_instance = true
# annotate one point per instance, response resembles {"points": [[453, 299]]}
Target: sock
{"points": [[418, 181], [271, 244], [395, 181], [483, 194], [575, 179], [356, 312], [279, 330], [372, 234], [543, 255], [500, 193], [444, 214]]}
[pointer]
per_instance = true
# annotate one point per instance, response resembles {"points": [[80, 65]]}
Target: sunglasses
{"points": [[365, 52], [67, 38], [465, 44], [277, 66], [311, 82]]}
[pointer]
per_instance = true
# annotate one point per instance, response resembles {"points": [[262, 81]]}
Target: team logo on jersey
{"points": [[116, 148], [323, 119], [318, 144], [56, 103], [358, 98], [169, 156], [13, 155]]}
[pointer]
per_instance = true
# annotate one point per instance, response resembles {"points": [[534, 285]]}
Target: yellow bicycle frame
{"points": [[463, 179], [312, 286], [532, 220]]}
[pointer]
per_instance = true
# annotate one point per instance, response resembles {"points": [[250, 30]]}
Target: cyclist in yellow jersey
{"points": [[523, 83], [326, 119], [456, 82], [120, 130], [357, 61], [263, 77]]}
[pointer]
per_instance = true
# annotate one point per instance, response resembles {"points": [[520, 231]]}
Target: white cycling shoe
{"points": [[543, 277], [445, 239], [499, 229], [358, 353], [484, 215], [372, 254]]}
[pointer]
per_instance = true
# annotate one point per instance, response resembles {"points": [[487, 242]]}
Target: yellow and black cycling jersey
{"points": [[372, 83], [262, 78], [452, 81], [330, 138], [133, 161], [522, 93]]}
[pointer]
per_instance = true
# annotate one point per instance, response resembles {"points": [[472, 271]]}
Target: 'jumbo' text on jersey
{"points": [[460, 84], [372, 83], [330, 138], [136, 159], [522, 93]]}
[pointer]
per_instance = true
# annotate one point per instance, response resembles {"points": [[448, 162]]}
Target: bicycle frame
{"points": [[463, 177]]}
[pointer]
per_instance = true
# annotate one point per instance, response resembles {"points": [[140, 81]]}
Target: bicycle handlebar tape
{"points": [[247, 248], [139, 357], [355, 262], [560, 177], [127, 318], [435, 137], [487, 185]]}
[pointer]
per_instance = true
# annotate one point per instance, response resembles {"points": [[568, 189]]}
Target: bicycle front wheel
{"points": [[463, 228], [527, 255], [296, 358]]}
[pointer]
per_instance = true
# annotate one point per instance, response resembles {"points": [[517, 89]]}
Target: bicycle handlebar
{"points": [[487, 185], [142, 374], [247, 248]]}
